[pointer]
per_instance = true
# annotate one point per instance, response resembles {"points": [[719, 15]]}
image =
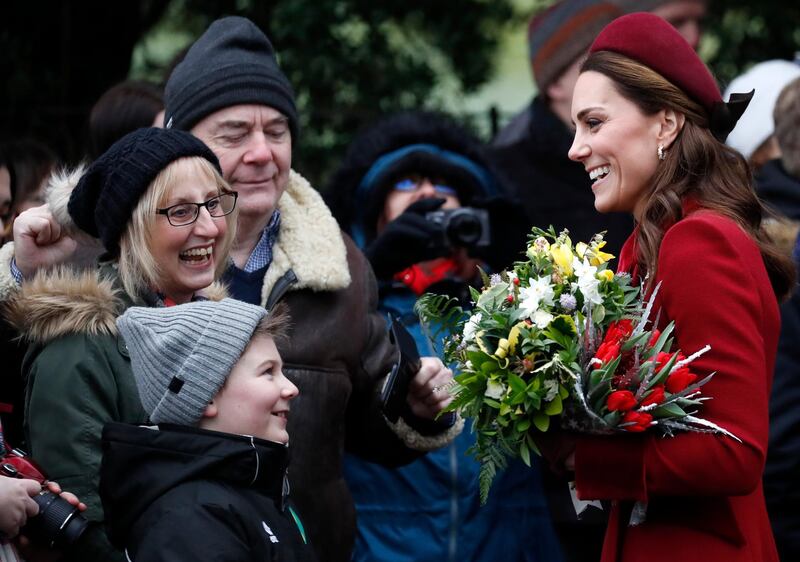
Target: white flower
{"points": [[471, 327], [495, 389], [587, 281], [542, 319], [495, 279], [531, 298]]}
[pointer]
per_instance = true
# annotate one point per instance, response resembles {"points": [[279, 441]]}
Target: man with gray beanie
{"points": [[211, 477], [230, 92]]}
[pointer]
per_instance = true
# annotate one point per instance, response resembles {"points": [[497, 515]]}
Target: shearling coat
{"points": [[704, 492], [338, 353]]}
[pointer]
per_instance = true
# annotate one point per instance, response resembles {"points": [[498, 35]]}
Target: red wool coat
{"points": [[705, 501]]}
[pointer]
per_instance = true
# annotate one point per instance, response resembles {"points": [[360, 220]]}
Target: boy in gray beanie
{"points": [[212, 476]]}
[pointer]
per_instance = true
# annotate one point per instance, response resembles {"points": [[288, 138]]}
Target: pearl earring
{"points": [[662, 154]]}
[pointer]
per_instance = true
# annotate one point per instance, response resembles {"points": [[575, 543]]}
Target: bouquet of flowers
{"points": [[562, 335]]}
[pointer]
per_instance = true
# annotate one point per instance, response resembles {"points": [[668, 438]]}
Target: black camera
{"points": [[465, 227], [58, 523]]}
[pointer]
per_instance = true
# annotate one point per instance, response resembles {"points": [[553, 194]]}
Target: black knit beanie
{"points": [[103, 201], [232, 63]]}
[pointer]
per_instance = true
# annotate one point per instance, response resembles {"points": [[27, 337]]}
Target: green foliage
{"points": [[740, 33]]}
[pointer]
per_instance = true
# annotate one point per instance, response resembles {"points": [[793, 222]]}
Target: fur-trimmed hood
{"points": [[59, 189], [309, 243], [65, 301]]}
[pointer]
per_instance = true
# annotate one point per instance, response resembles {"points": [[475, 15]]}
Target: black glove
{"points": [[509, 228], [408, 239]]}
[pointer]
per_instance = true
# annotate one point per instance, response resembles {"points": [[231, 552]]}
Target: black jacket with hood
{"points": [[179, 493]]}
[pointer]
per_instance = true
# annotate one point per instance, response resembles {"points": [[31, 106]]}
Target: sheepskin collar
{"points": [[309, 243], [65, 300]]}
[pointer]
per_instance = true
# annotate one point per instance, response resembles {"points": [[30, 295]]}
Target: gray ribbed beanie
{"points": [[232, 63], [182, 355]]}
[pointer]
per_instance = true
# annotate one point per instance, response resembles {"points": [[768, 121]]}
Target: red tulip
{"points": [[621, 401], [680, 379], [656, 396], [654, 338], [606, 352], [640, 420]]}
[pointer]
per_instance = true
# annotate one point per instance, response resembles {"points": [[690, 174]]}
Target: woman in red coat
{"points": [[649, 125]]}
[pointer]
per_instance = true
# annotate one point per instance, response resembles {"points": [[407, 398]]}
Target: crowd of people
{"points": [[197, 341]]}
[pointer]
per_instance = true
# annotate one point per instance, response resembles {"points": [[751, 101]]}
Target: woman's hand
{"points": [[35, 552], [69, 496], [558, 449], [427, 393], [15, 497], [39, 241]]}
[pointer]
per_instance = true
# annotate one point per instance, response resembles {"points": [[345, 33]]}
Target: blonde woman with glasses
{"points": [[165, 217]]}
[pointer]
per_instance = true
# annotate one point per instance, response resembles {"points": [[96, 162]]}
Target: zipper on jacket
{"points": [[280, 288]]}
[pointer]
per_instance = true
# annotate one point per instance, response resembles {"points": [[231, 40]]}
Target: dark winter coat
{"points": [[338, 353], [778, 189], [781, 491], [554, 189], [179, 493]]}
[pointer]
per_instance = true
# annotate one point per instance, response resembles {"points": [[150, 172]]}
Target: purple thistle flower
{"points": [[567, 302]]}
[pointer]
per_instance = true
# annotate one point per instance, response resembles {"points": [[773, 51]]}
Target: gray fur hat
{"points": [[182, 355]]}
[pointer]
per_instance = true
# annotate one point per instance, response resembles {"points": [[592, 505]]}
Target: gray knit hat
{"points": [[232, 63], [182, 355]]}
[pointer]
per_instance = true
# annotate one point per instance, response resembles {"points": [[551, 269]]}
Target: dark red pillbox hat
{"points": [[650, 40]]}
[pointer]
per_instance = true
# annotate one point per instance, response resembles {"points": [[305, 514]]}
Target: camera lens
{"points": [[58, 523], [464, 229]]}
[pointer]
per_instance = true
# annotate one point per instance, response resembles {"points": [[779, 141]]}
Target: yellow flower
{"points": [[562, 256], [598, 257], [502, 348], [606, 275], [580, 249], [513, 337]]}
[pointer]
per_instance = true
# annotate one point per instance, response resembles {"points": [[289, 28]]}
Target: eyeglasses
{"points": [[184, 214], [413, 183]]}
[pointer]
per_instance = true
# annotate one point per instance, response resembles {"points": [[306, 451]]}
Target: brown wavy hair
{"points": [[697, 166]]}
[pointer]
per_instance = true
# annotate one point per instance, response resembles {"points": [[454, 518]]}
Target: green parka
{"points": [[78, 378]]}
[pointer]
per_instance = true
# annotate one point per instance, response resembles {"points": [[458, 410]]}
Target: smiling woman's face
{"points": [[186, 256], [616, 143]]}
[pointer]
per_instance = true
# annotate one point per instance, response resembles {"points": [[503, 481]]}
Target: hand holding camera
{"points": [[54, 519], [17, 504], [408, 239]]}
